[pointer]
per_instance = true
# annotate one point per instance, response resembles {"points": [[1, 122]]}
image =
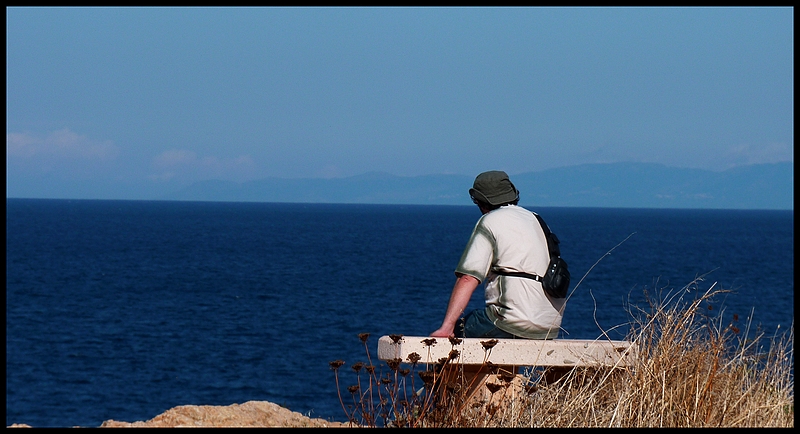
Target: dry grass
{"points": [[694, 370]]}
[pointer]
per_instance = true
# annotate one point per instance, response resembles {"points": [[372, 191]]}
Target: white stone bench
{"points": [[517, 352], [480, 360]]}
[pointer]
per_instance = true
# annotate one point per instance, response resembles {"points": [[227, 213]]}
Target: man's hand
{"points": [[443, 333]]}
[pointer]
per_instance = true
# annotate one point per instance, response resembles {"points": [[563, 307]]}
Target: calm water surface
{"points": [[124, 309]]}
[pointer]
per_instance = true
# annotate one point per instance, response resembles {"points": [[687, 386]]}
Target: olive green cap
{"points": [[494, 188]]}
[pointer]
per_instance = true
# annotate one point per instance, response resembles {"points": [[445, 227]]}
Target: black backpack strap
{"points": [[518, 274], [552, 239], [541, 222]]}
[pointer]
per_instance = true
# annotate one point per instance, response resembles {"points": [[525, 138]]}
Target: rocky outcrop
{"points": [[249, 414]]}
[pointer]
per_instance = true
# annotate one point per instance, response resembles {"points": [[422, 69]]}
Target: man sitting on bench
{"points": [[506, 239]]}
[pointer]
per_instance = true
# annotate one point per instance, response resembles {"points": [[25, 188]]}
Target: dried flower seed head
{"points": [[336, 364], [429, 342], [453, 387], [442, 361], [507, 378], [454, 340], [386, 380], [426, 376], [494, 369], [370, 369], [396, 338], [357, 367], [404, 372], [394, 364], [487, 345], [493, 387], [363, 337], [353, 389], [454, 354], [414, 358]]}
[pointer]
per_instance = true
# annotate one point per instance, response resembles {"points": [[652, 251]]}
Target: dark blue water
{"points": [[124, 309]]}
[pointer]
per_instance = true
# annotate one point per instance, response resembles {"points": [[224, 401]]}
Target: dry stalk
{"points": [[694, 369]]}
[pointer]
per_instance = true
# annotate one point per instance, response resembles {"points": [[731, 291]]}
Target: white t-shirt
{"points": [[510, 238]]}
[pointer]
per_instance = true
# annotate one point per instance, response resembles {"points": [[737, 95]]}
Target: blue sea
{"points": [[124, 309]]}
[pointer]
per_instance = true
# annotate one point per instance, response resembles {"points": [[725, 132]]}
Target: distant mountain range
{"points": [[613, 185]]}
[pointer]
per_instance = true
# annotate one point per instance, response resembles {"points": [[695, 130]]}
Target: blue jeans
{"points": [[477, 325]]}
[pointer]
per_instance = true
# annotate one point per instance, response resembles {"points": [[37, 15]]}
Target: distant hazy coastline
{"points": [[613, 185]]}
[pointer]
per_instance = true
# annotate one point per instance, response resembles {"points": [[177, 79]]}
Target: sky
{"points": [[125, 103]]}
